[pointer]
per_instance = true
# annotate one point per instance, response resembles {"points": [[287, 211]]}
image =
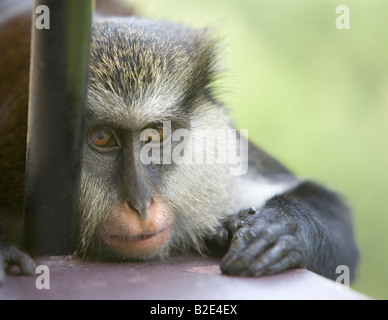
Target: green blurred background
{"points": [[313, 96]]}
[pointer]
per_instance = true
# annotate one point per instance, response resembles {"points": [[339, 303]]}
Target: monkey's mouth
{"points": [[134, 238], [140, 246]]}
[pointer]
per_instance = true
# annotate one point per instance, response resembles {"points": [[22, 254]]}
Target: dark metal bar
{"points": [[58, 86]]}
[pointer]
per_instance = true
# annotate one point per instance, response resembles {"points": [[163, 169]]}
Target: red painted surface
{"points": [[182, 278]]}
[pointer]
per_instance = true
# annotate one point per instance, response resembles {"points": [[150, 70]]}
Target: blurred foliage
{"points": [[313, 96]]}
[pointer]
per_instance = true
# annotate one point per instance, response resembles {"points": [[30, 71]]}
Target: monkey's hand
{"points": [[276, 238], [9, 256]]}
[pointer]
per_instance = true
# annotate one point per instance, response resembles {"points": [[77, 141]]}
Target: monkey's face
{"points": [[144, 75], [122, 197]]}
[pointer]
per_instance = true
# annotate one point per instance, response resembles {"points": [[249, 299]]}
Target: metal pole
{"points": [[58, 86]]}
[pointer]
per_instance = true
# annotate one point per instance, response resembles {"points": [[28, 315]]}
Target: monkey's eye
{"points": [[154, 134], [103, 138]]}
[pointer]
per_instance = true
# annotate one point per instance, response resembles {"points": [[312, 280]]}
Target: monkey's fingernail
{"points": [[240, 224], [252, 210]]}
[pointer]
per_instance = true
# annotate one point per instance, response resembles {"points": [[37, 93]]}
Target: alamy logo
{"points": [[42, 281], [43, 19], [344, 278], [343, 20]]}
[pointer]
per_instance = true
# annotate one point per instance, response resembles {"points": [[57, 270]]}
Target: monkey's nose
{"points": [[141, 208]]}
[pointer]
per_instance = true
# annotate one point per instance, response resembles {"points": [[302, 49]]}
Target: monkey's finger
{"points": [[243, 260], [237, 222], [285, 247], [239, 242], [26, 264], [238, 262], [290, 261], [242, 219]]}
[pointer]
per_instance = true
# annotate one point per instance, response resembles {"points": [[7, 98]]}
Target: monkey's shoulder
{"points": [[265, 165]]}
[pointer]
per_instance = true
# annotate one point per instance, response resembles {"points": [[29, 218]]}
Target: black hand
{"points": [[270, 241]]}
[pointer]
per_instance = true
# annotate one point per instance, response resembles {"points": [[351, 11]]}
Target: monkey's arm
{"points": [[306, 227]]}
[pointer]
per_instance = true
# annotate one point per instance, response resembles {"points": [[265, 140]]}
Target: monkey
{"points": [[152, 93]]}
